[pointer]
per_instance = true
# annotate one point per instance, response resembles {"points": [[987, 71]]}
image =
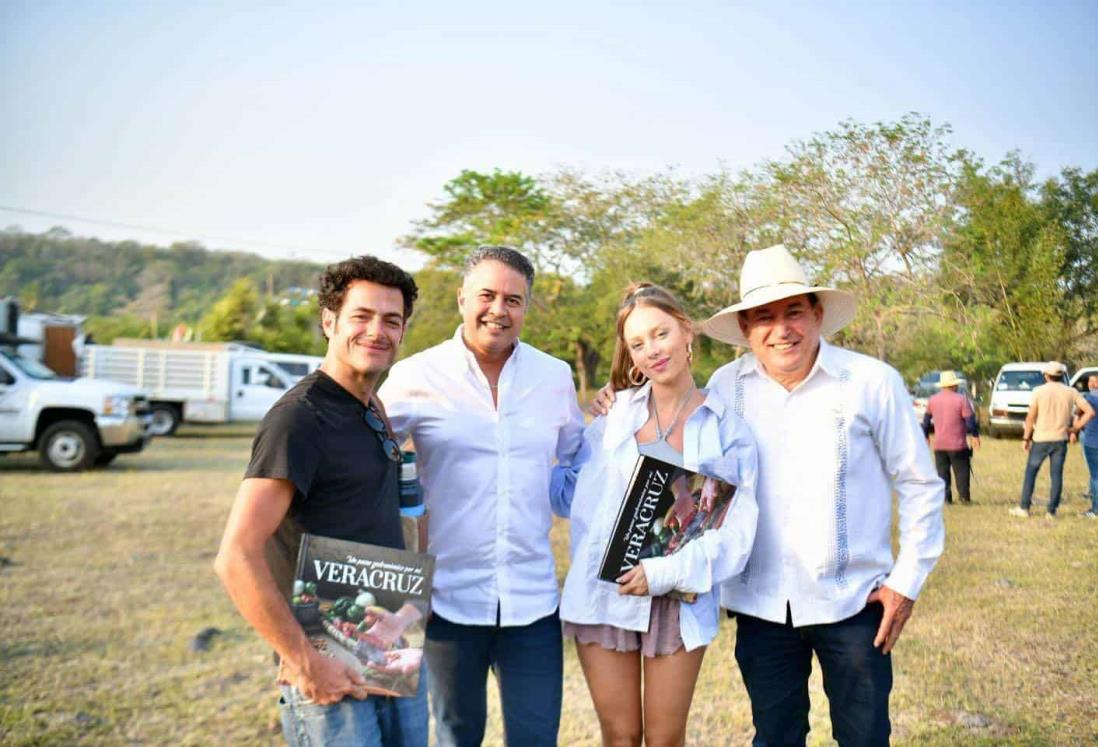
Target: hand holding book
{"points": [[634, 582], [322, 679], [665, 509]]}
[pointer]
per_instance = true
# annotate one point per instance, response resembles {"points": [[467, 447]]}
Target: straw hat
{"points": [[770, 275], [1055, 368], [948, 378]]}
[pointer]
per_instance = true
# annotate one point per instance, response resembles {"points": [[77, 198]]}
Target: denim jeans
{"points": [[528, 662], [1090, 453], [776, 660], [1055, 452], [377, 721]]}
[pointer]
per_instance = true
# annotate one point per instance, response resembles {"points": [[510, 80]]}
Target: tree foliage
{"points": [[955, 264]]}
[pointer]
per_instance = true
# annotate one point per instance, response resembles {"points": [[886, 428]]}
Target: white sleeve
{"points": [[400, 404], [906, 458], [721, 553]]}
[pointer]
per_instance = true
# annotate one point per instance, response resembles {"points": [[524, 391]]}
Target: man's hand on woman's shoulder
{"points": [[602, 402]]}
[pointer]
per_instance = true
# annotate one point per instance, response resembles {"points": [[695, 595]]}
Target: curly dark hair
{"points": [[337, 277]]}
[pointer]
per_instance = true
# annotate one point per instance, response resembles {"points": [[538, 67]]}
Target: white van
{"points": [[1079, 380], [1010, 397]]}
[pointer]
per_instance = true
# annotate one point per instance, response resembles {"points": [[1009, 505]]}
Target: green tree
{"points": [[285, 328], [234, 316], [868, 207], [503, 207], [1002, 266], [1071, 201]]}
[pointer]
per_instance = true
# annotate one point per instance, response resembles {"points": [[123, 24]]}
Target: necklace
{"points": [[662, 434]]}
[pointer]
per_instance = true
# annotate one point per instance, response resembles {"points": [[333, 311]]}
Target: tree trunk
{"points": [[581, 369]]}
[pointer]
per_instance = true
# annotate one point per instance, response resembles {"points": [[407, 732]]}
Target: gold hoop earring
{"points": [[636, 378], [689, 352]]}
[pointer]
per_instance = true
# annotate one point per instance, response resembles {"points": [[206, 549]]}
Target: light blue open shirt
{"points": [[715, 442]]}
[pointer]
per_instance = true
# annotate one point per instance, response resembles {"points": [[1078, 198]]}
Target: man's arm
{"points": [[1086, 412], [241, 564], [972, 426], [400, 400], [1031, 422], [921, 493], [569, 445]]}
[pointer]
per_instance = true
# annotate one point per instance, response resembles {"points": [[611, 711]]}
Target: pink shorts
{"points": [[661, 638]]}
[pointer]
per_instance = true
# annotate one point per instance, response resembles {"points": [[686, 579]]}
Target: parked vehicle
{"points": [[1079, 380], [195, 382], [1010, 397], [295, 364], [73, 424]]}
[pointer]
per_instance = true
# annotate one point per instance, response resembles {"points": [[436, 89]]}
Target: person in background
{"points": [[489, 415], [1089, 438], [325, 462], [956, 434], [640, 649], [1048, 428]]}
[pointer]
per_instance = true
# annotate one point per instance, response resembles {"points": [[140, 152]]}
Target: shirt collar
{"points": [[470, 359], [327, 384], [624, 425]]}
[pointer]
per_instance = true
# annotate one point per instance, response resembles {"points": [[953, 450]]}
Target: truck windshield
{"points": [[1019, 381], [31, 368]]}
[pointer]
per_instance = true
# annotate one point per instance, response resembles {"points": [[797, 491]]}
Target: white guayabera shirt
{"points": [[831, 453], [485, 474]]}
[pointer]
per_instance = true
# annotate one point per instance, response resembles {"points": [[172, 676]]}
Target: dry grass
{"points": [[111, 579]]}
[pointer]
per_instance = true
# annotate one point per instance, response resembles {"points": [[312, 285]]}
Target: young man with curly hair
{"points": [[325, 462]]}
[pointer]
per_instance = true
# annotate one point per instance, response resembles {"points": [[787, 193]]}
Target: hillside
{"points": [[55, 271]]}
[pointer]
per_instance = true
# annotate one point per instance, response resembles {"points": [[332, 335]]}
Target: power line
{"points": [[152, 229]]}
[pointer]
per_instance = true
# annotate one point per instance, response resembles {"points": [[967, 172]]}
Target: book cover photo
{"points": [[665, 507], [365, 605]]}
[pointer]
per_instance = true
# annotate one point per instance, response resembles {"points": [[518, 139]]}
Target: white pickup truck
{"points": [[74, 424], [193, 382]]}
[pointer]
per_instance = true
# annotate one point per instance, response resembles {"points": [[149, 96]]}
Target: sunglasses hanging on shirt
{"points": [[377, 425]]}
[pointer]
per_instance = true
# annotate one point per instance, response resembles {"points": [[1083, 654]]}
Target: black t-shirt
{"points": [[344, 485]]}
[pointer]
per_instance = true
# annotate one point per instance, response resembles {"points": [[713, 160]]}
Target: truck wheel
{"points": [[105, 457], [68, 446], [165, 419]]}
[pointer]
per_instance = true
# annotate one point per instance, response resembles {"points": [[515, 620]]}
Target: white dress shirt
{"points": [[715, 442], [485, 474], [831, 453]]}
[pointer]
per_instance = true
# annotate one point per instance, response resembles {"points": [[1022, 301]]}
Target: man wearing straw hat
{"points": [[956, 434], [1047, 430], [836, 438]]}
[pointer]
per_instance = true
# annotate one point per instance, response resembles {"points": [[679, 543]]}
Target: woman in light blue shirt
{"points": [[630, 633]]}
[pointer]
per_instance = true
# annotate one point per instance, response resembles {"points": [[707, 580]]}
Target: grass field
{"points": [[107, 577]]}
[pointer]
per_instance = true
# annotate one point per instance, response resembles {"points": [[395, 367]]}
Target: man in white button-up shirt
{"points": [[836, 438], [489, 416]]}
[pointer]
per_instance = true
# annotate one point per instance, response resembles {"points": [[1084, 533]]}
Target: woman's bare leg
{"points": [[614, 679], [668, 690]]}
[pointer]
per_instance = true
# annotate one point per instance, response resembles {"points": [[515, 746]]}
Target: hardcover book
{"points": [[367, 606], [665, 507]]}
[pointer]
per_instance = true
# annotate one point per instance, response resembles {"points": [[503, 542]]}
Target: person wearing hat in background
{"points": [[1047, 431], [835, 438], [950, 414]]}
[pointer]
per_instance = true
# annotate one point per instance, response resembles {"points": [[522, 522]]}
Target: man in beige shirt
{"points": [[1047, 431]]}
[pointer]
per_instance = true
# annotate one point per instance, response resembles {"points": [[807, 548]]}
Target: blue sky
{"points": [[319, 130]]}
